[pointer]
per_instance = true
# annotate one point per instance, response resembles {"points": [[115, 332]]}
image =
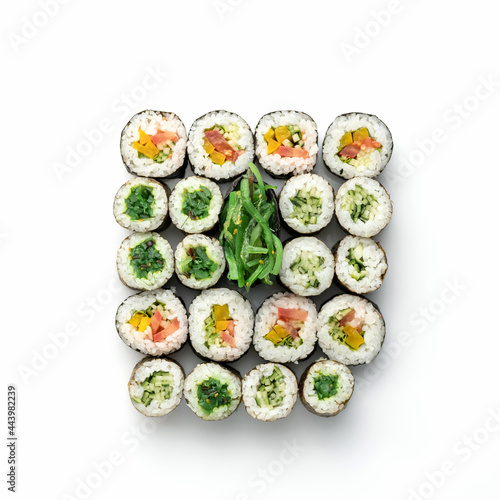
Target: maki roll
{"points": [[199, 261], [350, 329], [286, 143], [357, 144], [285, 328], [326, 387], [156, 385], [145, 261], [269, 392], [154, 323], [363, 207], [141, 205], [360, 264], [220, 324], [306, 203], [212, 391], [307, 268], [153, 144], [195, 205], [220, 145]]}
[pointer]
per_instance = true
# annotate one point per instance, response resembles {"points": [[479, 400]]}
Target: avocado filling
{"points": [[326, 385], [356, 260], [306, 206], [287, 135], [212, 394], [145, 258], [198, 264], [140, 202], [347, 329], [195, 203], [157, 387], [271, 390], [360, 204], [307, 264], [219, 327]]}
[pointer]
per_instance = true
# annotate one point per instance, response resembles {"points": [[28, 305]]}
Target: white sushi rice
{"points": [[276, 164], [240, 310], [203, 372], [374, 260], [159, 205], [369, 165], [360, 227], [143, 370], [251, 383], [267, 317], [303, 283], [201, 162], [152, 122], [142, 341], [214, 252], [374, 330], [152, 280], [183, 221], [307, 182]]}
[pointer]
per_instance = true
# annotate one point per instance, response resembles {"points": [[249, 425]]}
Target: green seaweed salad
{"points": [[248, 224]]}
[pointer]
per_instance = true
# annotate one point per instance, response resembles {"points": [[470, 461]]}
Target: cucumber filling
{"points": [[271, 390], [357, 262], [307, 264], [157, 387], [360, 204], [306, 206]]}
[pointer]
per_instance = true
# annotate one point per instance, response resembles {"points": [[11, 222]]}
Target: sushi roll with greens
{"points": [[220, 325], [269, 392], [326, 387], [141, 205], [153, 322], [145, 261], [306, 203], [286, 143], [363, 207], [357, 144], [220, 145], [212, 391], [307, 268], [195, 205], [360, 264], [351, 329], [199, 261], [156, 385], [153, 144]]}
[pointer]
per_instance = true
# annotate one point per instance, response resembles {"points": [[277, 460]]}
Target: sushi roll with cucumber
{"points": [[212, 391], [220, 324], [326, 387], [360, 264], [220, 145], [357, 144], [285, 328], [269, 392], [153, 144], [199, 261], [363, 207], [306, 203], [141, 205], [195, 205], [351, 329], [286, 143], [153, 322], [145, 261], [156, 386], [308, 267]]}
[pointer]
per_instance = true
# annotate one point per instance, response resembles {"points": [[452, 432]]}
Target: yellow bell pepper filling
{"points": [[145, 321], [221, 326], [221, 313], [282, 133], [217, 157], [354, 338], [272, 146], [277, 334], [145, 145], [208, 146], [360, 135], [345, 140]]}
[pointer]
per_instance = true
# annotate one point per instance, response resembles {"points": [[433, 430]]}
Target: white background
{"points": [[428, 69]]}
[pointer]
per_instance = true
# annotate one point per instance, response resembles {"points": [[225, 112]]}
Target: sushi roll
{"points": [[360, 264], [326, 387], [351, 329], [306, 203], [357, 144], [153, 144], [286, 143], [220, 324], [195, 205], [220, 145], [153, 323], [199, 261], [145, 261], [156, 385], [141, 205], [363, 207], [307, 268], [269, 392], [212, 391], [285, 328]]}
